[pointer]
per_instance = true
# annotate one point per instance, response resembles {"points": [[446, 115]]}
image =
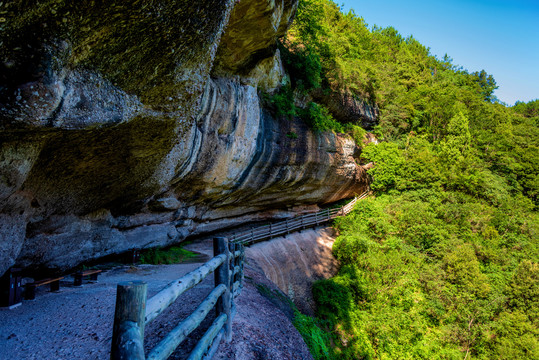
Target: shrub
{"points": [[316, 339], [319, 119], [283, 102], [357, 133], [172, 255], [303, 65]]}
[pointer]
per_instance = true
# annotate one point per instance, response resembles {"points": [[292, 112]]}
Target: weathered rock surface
{"points": [[131, 124], [348, 108], [251, 34], [295, 262]]}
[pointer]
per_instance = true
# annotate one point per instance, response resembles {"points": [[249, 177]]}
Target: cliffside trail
{"points": [[77, 322], [135, 124]]}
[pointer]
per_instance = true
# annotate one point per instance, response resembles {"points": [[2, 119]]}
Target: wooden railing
{"points": [[133, 311], [284, 227]]}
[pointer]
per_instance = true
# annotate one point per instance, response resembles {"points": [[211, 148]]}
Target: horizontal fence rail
{"points": [[288, 226], [170, 293], [133, 311]]}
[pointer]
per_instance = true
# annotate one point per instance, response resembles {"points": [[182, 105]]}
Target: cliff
{"points": [[132, 124]]}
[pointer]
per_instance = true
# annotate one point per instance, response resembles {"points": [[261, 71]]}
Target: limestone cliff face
{"points": [[131, 124]]}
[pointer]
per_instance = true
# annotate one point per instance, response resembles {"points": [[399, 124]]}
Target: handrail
{"points": [[170, 293], [167, 346], [133, 312], [268, 231]]}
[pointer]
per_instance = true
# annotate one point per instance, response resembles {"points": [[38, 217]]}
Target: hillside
{"points": [[443, 261]]}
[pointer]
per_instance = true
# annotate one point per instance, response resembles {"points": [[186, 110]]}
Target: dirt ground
{"points": [[262, 327], [76, 322]]}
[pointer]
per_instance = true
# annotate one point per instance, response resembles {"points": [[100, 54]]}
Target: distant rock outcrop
{"points": [[131, 124], [348, 108]]}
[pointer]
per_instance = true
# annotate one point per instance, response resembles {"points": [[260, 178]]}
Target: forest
{"points": [[443, 261]]}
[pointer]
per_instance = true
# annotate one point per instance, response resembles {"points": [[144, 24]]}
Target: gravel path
{"points": [[76, 323]]}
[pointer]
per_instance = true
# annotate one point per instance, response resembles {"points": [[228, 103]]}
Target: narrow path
{"points": [[76, 323], [262, 327]]}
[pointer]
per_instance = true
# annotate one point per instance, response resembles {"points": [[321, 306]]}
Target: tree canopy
{"points": [[444, 261]]}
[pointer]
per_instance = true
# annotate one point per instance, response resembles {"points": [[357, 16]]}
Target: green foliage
{"points": [[319, 119], [461, 268], [471, 142], [516, 337], [292, 135], [523, 290], [356, 132], [283, 102], [315, 115], [388, 160], [429, 273], [172, 255], [530, 109], [457, 139], [413, 89], [316, 339], [303, 66], [487, 84], [443, 263]]}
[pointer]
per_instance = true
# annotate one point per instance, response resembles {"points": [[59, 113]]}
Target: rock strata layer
{"points": [[295, 262], [132, 124]]}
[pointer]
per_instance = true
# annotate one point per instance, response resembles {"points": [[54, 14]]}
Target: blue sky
{"points": [[499, 36]]}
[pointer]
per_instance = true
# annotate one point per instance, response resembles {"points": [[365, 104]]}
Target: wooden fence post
{"points": [[242, 261], [237, 262], [222, 276], [231, 249], [128, 331]]}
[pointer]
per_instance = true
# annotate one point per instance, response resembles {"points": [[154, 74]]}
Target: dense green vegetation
{"points": [[171, 255], [444, 261]]}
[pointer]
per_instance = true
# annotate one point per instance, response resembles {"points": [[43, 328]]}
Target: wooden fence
{"points": [[133, 311], [284, 227]]}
